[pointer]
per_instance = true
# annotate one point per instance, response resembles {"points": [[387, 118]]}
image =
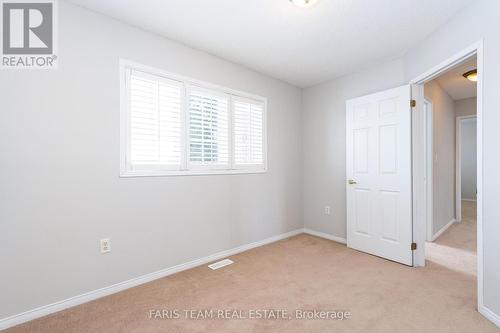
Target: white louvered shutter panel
{"points": [[208, 115], [248, 122], [155, 122]]}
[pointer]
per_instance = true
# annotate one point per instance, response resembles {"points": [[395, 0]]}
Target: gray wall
{"points": [[444, 142], [60, 190], [468, 158], [466, 107]]}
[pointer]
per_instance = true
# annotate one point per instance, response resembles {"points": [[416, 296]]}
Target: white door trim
{"points": [[429, 161], [458, 166], [419, 165]]}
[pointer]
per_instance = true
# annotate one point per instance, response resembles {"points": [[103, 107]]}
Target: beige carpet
{"points": [[302, 272], [456, 248]]}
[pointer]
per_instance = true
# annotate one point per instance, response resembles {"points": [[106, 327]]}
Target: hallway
{"points": [[456, 248]]}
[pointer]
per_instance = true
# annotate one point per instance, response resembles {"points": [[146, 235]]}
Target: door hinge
{"points": [[413, 103], [413, 246]]}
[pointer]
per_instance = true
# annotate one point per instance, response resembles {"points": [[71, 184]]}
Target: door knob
{"points": [[351, 182]]}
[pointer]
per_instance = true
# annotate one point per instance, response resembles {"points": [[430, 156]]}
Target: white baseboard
{"points": [[92, 295], [472, 200], [443, 229], [325, 235], [490, 315]]}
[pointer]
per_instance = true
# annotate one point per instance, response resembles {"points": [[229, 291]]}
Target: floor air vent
{"points": [[220, 264]]}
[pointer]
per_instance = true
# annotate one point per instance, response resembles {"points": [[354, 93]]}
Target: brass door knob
{"points": [[351, 182]]}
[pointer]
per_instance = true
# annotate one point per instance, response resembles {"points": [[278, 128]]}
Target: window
{"points": [[176, 126]]}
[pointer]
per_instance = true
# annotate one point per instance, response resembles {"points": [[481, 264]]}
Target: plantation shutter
{"points": [[248, 124], [172, 126], [208, 114], [155, 121]]}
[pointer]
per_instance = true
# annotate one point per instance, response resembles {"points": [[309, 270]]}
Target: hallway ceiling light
{"points": [[304, 3], [471, 75]]}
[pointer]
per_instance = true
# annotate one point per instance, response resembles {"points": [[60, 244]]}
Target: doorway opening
{"points": [[451, 158], [438, 220]]}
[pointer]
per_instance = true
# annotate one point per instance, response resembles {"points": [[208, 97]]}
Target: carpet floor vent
{"points": [[220, 264]]}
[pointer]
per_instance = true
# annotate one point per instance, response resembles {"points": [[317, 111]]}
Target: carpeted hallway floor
{"points": [[456, 248], [302, 272]]}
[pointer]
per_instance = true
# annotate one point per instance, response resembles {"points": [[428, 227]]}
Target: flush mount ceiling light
{"points": [[471, 75], [304, 3]]}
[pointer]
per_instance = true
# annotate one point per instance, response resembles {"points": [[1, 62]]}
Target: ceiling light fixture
{"points": [[471, 75], [304, 3]]}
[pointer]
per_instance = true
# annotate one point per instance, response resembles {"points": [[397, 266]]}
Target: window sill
{"points": [[159, 173]]}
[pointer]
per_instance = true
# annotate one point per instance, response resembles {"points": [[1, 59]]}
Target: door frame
{"points": [[429, 172], [419, 167], [458, 165]]}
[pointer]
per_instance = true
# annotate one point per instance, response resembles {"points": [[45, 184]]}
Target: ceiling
{"points": [[456, 85], [302, 46]]}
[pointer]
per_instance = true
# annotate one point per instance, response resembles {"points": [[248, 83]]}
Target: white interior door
{"points": [[379, 200]]}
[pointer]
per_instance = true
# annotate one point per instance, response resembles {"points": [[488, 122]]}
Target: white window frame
{"points": [[187, 168]]}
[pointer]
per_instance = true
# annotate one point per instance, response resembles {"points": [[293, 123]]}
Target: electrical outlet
{"points": [[105, 245], [327, 210]]}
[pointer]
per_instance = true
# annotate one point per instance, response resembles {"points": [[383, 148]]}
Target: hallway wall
{"points": [[443, 134]]}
